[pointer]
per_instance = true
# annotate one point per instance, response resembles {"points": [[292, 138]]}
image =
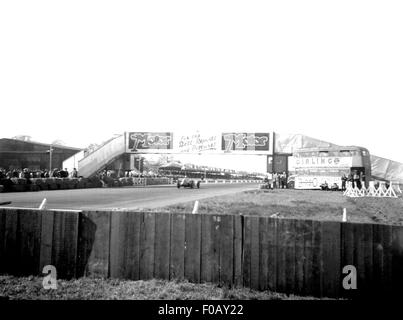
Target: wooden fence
{"points": [[286, 255]]}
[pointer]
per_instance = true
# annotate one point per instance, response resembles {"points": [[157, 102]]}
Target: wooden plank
{"points": [[71, 242], [29, 238], [58, 254], [86, 236], [347, 230], [359, 258], [11, 264], [247, 251], [216, 234], [263, 253], [177, 257], [207, 248], [382, 259], [192, 247], [162, 245], [2, 240], [272, 254], [226, 251], [308, 257], [125, 245], [147, 242], [281, 256], [348, 254], [368, 258], [387, 243], [360, 250], [367, 286], [133, 236], [238, 243], [46, 239], [64, 248], [299, 256], [307, 229], [290, 255], [331, 248], [254, 257], [317, 260], [397, 262], [118, 244], [378, 257], [94, 243]]}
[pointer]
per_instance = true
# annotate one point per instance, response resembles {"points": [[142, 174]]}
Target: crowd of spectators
{"points": [[276, 181], [115, 174], [30, 174]]}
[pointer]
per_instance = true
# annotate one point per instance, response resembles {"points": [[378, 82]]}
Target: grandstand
{"points": [[18, 154]]}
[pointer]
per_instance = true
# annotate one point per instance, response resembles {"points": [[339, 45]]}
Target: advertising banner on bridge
{"points": [[143, 141], [246, 142], [199, 142]]}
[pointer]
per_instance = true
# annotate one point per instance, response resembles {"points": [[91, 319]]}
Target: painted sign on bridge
{"points": [[200, 142]]}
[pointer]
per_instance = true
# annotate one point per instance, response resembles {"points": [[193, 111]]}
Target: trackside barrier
{"points": [[302, 257], [37, 184], [232, 181], [145, 181], [371, 191], [139, 181]]}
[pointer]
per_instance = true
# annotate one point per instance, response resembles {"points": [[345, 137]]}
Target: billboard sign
{"points": [[196, 142], [246, 142], [142, 141], [321, 162], [199, 142], [314, 182]]}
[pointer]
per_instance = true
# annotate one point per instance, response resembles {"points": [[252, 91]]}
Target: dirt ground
{"points": [[301, 204], [30, 288]]}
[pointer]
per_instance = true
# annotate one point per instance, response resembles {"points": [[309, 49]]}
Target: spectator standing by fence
{"points": [[64, 173], [343, 182], [350, 179], [74, 173], [362, 179], [56, 173], [283, 180], [274, 180], [25, 174], [356, 178]]}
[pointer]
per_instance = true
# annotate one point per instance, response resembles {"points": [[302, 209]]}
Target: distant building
{"points": [[16, 154]]}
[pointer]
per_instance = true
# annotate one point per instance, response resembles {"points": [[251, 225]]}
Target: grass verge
{"points": [[30, 288], [300, 204]]}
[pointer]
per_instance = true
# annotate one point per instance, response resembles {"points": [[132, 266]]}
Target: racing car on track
{"points": [[188, 183]]}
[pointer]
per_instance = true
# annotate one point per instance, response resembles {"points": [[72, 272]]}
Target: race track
{"points": [[119, 198]]}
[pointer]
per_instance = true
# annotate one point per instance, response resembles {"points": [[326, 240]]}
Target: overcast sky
{"points": [[81, 71]]}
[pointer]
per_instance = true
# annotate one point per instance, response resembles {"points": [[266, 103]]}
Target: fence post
{"points": [[344, 215], [196, 207], [43, 204]]}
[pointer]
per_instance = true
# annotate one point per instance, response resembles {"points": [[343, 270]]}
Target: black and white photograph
{"points": [[205, 157]]}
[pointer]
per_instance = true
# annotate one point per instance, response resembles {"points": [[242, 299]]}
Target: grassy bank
{"points": [[301, 204], [109, 289]]}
